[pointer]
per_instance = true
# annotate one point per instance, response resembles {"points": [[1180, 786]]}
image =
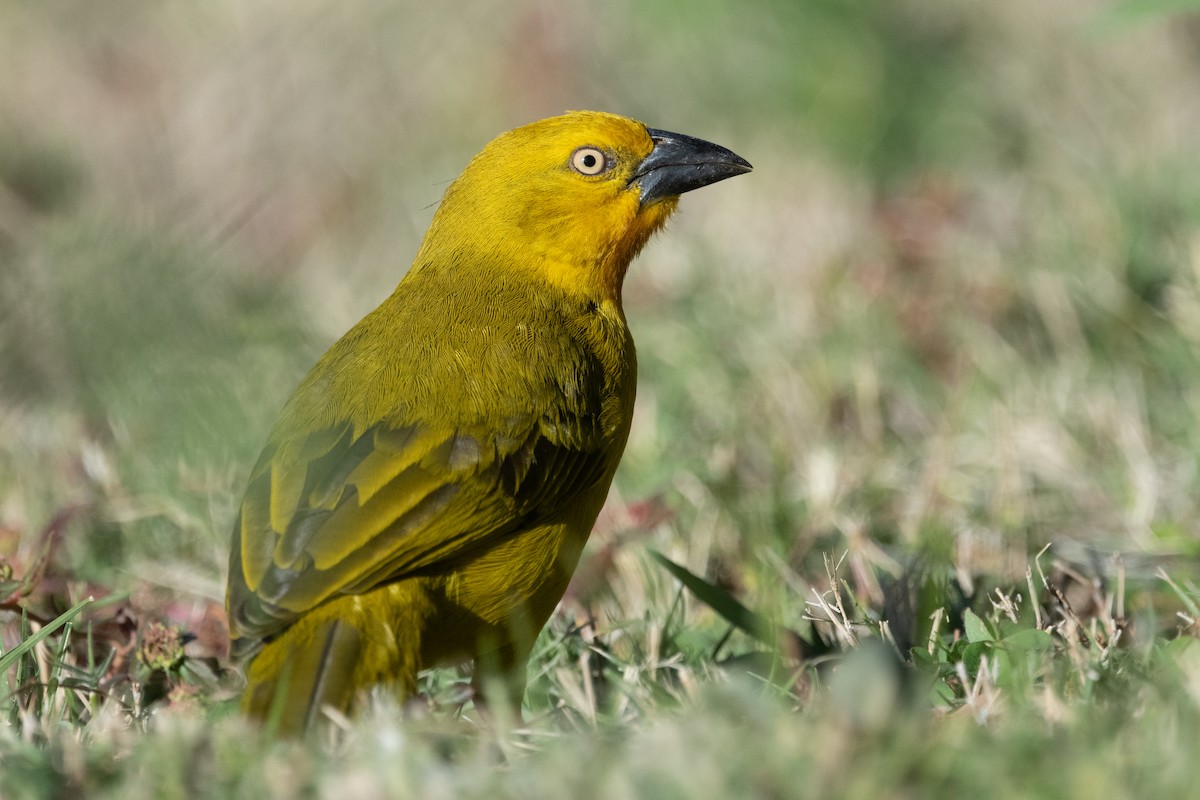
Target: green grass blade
{"points": [[10, 658], [721, 601]]}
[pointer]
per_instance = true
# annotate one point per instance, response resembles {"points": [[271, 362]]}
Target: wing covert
{"points": [[341, 513]]}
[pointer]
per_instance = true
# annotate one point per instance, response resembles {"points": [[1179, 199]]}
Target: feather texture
{"points": [[428, 488]]}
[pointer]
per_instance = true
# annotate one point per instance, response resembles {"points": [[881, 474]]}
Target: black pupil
{"points": [[589, 161]]}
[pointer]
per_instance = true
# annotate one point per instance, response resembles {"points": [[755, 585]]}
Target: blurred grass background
{"points": [[951, 318]]}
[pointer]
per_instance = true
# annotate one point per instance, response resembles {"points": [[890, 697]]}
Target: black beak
{"points": [[679, 163]]}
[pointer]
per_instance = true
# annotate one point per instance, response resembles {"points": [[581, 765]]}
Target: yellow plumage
{"points": [[428, 488]]}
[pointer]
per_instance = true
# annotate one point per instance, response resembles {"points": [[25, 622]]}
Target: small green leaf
{"points": [[923, 658], [1002, 667], [1030, 639], [973, 654], [941, 695], [976, 629]]}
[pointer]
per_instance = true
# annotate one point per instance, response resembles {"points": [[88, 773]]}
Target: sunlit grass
{"points": [[950, 320]]}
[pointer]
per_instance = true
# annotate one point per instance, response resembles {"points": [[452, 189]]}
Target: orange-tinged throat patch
{"points": [[590, 257]]}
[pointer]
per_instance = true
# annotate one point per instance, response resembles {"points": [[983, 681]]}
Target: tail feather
{"points": [[291, 680]]}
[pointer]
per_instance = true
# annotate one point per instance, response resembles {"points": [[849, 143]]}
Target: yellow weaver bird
{"points": [[426, 492]]}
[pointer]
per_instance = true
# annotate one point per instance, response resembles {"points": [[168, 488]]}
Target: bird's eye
{"points": [[589, 161]]}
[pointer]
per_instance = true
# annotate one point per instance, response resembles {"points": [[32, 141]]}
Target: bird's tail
{"points": [[292, 679]]}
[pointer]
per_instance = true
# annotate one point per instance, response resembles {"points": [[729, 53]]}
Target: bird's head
{"points": [[573, 197]]}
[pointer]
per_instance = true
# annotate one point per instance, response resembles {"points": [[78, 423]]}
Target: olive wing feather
{"points": [[343, 512]]}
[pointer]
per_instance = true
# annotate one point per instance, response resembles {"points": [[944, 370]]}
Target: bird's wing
{"points": [[341, 512]]}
